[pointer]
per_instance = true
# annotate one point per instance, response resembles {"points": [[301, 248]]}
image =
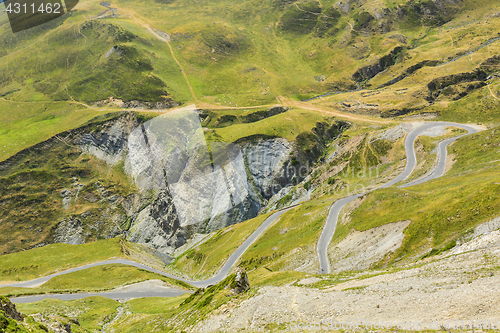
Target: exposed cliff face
{"points": [[158, 225], [185, 184], [109, 142], [154, 181], [266, 163], [69, 231], [9, 309]]}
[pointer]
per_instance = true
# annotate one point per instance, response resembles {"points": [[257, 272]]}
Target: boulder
{"points": [[241, 281]]}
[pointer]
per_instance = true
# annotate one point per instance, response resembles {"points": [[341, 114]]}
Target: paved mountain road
{"points": [[116, 295], [411, 162], [221, 275], [324, 241]]}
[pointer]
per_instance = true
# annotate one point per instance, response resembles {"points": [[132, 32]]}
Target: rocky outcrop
{"points": [[56, 323], [207, 196], [184, 184], [9, 309], [109, 141], [158, 225], [69, 231], [445, 81], [265, 160], [427, 12], [198, 187], [410, 70], [344, 6], [288, 196], [167, 103], [459, 85], [241, 283], [368, 72]]}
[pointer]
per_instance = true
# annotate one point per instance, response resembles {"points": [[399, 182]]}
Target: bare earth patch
{"points": [[463, 287], [361, 249], [450, 160], [457, 285]]}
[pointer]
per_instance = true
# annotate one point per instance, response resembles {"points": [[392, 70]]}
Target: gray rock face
{"points": [[132, 203], [66, 198], [158, 225], [344, 6], [207, 184], [9, 309], [109, 142], [266, 163], [288, 196], [241, 281], [106, 145], [368, 72], [69, 231], [185, 185]]}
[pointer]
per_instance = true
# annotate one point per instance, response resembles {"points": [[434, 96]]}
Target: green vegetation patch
{"points": [[106, 277], [26, 124], [175, 314], [296, 230], [263, 276], [287, 125], [126, 74], [481, 105], [94, 279], [49, 259], [224, 118], [444, 209], [89, 61], [30, 192], [206, 259], [92, 312], [301, 17]]}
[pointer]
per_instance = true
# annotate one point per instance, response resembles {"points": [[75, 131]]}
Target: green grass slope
{"points": [[94, 279], [442, 210], [31, 264], [92, 312], [30, 186], [247, 53], [206, 259], [250, 53]]}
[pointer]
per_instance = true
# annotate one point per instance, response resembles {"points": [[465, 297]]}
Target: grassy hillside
{"points": [[245, 65], [92, 312], [442, 210], [94, 279], [249, 53], [46, 260], [287, 125], [208, 258], [167, 314], [31, 183], [26, 124], [360, 162], [290, 243]]}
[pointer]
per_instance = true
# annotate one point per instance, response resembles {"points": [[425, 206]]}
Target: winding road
{"points": [[411, 162], [138, 291], [131, 293]]}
